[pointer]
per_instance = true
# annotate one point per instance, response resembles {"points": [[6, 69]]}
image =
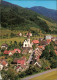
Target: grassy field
{"points": [[7, 31], [48, 76], [18, 39]]}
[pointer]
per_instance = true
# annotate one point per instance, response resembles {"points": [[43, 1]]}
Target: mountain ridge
{"points": [[50, 13], [16, 17]]}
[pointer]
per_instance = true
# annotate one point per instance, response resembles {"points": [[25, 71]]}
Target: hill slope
{"points": [[50, 13], [16, 17]]}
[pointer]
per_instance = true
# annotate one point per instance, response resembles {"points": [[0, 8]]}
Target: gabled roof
{"points": [[35, 41], [6, 52], [3, 62], [17, 50], [40, 46], [48, 40], [5, 44], [21, 62]]}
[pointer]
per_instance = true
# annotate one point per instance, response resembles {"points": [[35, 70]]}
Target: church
{"points": [[27, 43]]}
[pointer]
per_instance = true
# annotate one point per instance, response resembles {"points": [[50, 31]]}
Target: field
{"points": [[4, 31], [18, 39], [48, 76]]}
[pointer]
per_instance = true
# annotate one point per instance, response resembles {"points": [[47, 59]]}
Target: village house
{"points": [[37, 53], [29, 34], [35, 42], [53, 38], [10, 53], [20, 64], [3, 63], [48, 37], [4, 46], [48, 41], [40, 39], [19, 34], [41, 48]]}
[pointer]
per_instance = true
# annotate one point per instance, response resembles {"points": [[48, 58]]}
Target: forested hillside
{"points": [[50, 13], [16, 17]]}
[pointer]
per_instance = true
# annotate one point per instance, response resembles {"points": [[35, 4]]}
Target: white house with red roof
{"points": [[30, 34], [21, 64], [48, 41], [10, 53], [4, 45], [48, 37], [3, 63], [35, 42], [37, 54], [17, 50]]}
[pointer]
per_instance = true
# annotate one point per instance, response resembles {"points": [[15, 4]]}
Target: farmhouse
{"points": [[4, 46], [48, 37]]}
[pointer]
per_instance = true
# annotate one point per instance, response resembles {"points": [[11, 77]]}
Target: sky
{"points": [[51, 4]]}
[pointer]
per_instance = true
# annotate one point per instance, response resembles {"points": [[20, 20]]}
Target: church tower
{"points": [[27, 42]]}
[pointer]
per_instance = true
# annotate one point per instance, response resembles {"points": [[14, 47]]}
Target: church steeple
{"points": [[28, 35]]}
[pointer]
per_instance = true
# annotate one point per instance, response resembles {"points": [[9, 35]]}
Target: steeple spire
{"points": [[28, 35]]}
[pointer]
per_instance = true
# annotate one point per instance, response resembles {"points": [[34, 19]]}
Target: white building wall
{"points": [[48, 37], [27, 43]]}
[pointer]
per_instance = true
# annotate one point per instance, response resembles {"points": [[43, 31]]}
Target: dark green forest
{"points": [[15, 17]]}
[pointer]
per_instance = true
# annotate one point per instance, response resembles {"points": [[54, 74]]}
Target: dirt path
{"points": [[36, 75]]}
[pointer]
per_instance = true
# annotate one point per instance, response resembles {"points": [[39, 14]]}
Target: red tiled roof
{"points": [[6, 52], [40, 46], [35, 41], [21, 62], [19, 51], [48, 40], [55, 52], [4, 62], [12, 52]]}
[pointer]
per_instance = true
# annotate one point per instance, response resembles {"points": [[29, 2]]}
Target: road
{"points": [[30, 58], [36, 75]]}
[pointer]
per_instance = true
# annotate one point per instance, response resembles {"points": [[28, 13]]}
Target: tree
{"points": [[11, 74], [17, 55], [34, 46], [49, 54], [45, 63]]}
